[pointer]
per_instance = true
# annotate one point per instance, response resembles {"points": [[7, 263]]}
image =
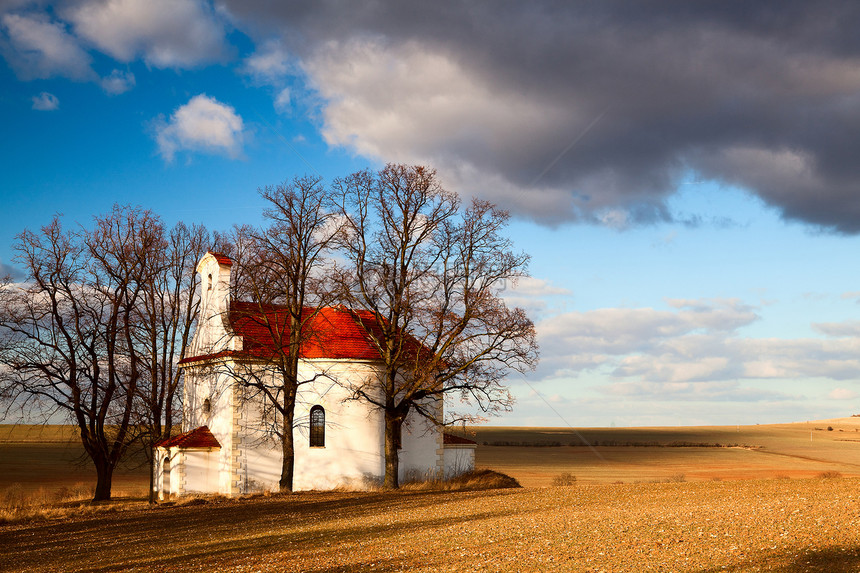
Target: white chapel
{"points": [[226, 446]]}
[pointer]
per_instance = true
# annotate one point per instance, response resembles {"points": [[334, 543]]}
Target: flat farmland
{"points": [[786, 526], [535, 456], [747, 507], [51, 458]]}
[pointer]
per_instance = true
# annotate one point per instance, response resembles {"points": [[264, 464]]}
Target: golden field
{"points": [[798, 450], [776, 502]]}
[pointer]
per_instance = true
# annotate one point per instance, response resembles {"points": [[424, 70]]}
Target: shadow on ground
{"points": [[291, 529], [831, 560]]}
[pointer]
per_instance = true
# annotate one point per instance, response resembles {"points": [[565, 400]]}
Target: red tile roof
{"points": [[222, 258], [452, 439], [333, 332], [197, 438]]}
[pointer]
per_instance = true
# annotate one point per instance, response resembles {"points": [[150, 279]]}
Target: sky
{"points": [[683, 175]]}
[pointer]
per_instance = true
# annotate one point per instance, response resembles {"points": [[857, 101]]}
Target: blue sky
{"points": [[682, 179]]}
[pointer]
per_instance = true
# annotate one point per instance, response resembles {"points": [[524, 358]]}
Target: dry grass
{"points": [[756, 525], [564, 479], [22, 504]]}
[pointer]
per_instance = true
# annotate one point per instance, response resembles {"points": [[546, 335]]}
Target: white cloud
{"points": [[624, 330], [118, 82], [838, 329], [203, 124], [39, 48], [269, 64], [696, 342], [283, 101], [842, 394], [531, 294], [166, 33], [691, 391], [531, 286], [45, 102], [714, 314]]}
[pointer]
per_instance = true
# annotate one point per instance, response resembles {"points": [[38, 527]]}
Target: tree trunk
{"points": [[104, 475], [152, 466], [288, 465], [393, 423]]}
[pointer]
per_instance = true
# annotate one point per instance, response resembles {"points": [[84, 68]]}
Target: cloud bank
{"points": [[42, 44], [561, 112], [592, 111], [698, 341]]}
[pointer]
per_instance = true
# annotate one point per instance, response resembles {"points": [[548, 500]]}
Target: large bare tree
{"points": [[68, 331], [429, 272], [280, 268]]}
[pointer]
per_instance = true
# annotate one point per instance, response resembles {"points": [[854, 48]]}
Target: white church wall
{"points": [[210, 402], [211, 335], [353, 451], [201, 471], [352, 455], [160, 477], [167, 472], [420, 456], [459, 459]]}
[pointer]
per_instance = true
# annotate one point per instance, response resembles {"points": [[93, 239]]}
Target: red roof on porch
{"points": [[197, 438], [452, 439]]}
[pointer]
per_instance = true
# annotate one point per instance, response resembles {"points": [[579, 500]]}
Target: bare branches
{"points": [[281, 268], [430, 272], [95, 330]]}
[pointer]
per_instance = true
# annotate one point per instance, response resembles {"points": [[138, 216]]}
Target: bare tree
{"points": [[68, 338], [426, 275], [280, 270], [166, 317]]}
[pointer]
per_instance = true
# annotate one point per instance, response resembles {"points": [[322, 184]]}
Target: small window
{"points": [[317, 427], [207, 406], [209, 283]]}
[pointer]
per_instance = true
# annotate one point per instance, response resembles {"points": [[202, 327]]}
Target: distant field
{"points": [[51, 456], [536, 455]]}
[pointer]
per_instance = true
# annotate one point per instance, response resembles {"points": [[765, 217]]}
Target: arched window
{"points": [[209, 283], [317, 427], [207, 406], [165, 478]]}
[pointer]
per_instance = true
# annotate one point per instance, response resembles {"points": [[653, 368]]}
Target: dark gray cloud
{"points": [[763, 95]]}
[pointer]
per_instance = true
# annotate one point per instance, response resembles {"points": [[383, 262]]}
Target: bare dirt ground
{"points": [[754, 525], [787, 522]]}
